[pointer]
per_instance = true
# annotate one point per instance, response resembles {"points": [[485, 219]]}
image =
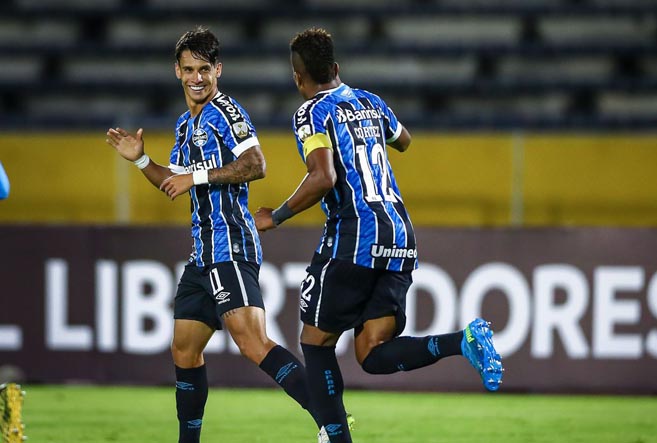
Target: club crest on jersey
{"points": [[200, 137], [241, 129], [304, 132]]}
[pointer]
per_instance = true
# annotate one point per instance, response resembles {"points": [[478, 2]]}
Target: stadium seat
{"points": [[455, 30], [344, 29], [99, 69], [74, 4], [599, 30], [136, 33], [38, 32], [22, 69], [555, 68], [619, 104]]}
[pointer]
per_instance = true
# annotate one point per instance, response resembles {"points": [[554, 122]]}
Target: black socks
{"points": [[326, 387], [281, 365], [191, 395], [407, 353]]}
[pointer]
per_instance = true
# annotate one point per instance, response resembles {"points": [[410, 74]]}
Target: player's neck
{"points": [[195, 108], [326, 86]]}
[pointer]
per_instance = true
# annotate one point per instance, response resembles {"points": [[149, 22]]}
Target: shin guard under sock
{"points": [[326, 389], [290, 374], [191, 395], [407, 353]]}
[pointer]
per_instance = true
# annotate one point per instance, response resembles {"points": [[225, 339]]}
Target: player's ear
{"points": [[178, 72], [297, 79], [218, 68], [336, 68]]}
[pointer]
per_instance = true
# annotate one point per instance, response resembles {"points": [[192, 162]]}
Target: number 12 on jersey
{"points": [[378, 159]]}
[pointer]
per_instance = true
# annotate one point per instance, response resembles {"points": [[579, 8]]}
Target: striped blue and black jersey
{"points": [[367, 222], [222, 226]]}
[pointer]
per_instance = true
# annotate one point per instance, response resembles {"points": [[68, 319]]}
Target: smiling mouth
{"points": [[197, 88]]}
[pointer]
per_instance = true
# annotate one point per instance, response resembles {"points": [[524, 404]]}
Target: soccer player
{"points": [[215, 155], [361, 270]]}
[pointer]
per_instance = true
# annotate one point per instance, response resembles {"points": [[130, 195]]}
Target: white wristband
{"points": [[142, 161], [200, 177]]}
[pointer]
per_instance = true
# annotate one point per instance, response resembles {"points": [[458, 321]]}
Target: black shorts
{"points": [[338, 295], [206, 293]]}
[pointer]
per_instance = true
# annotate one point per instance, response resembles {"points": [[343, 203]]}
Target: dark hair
{"points": [[315, 47], [201, 43]]}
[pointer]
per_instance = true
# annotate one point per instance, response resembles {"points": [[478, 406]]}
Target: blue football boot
{"points": [[477, 347]]}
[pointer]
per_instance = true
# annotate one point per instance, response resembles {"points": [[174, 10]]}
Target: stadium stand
{"points": [[442, 64]]}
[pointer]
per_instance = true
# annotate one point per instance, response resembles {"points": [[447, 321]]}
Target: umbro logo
{"points": [[222, 297], [333, 428], [183, 386], [194, 424]]}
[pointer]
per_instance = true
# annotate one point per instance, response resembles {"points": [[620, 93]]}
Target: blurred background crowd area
{"points": [[526, 112], [455, 64]]}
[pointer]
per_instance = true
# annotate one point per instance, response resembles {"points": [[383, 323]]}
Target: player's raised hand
{"points": [[263, 219], [130, 147], [177, 185]]}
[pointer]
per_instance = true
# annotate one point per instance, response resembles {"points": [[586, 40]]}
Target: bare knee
{"points": [[364, 346], [311, 335], [374, 333], [185, 356], [189, 340], [247, 328], [253, 347]]}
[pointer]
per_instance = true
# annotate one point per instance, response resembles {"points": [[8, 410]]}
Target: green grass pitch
{"points": [[71, 414]]}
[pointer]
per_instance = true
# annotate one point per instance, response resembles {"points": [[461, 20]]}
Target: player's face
{"points": [[198, 78]]}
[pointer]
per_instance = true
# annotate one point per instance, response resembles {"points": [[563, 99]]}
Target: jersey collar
{"points": [[332, 90]]}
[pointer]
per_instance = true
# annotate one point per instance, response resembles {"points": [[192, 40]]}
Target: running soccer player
{"points": [[215, 155], [361, 270]]}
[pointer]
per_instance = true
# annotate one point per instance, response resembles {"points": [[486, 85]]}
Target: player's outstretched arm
{"points": [[131, 147], [319, 180]]}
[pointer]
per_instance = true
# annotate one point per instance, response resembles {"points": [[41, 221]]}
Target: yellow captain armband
{"points": [[316, 141]]}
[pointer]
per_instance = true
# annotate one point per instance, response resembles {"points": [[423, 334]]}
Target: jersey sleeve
{"points": [[309, 126], [176, 161], [392, 126], [234, 126]]}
